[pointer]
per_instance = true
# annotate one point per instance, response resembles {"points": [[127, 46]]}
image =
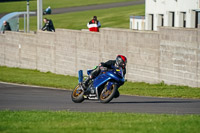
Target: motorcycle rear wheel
{"points": [[77, 94], [107, 95]]}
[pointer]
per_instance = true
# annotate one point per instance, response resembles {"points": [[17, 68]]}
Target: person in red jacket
{"points": [[94, 25]]}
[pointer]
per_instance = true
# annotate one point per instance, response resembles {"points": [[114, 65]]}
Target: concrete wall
{"points": [[170, 55], [141, 49], [179, 56]]}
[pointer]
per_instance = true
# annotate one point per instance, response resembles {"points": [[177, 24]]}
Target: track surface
{"points": [[18, 97]]}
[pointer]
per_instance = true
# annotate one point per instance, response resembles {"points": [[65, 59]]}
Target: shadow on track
{"points": [[154, 102]]}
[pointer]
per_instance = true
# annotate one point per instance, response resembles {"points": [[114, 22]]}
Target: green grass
{"points": [[76, 122], [35, 77], [160, 90], [113, 17], [6, 7]]}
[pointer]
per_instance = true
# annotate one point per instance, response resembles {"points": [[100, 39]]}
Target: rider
{"points": [[119, 62]]}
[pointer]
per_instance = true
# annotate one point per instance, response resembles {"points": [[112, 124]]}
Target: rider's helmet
{"points": [[121, 61]]}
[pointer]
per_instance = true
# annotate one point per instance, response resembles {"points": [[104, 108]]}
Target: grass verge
{"points": [[35, 77], [113, 17], [77, 122], [7, 7]]}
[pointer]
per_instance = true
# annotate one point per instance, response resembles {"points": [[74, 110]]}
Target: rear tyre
{"points": [[77, 94], [108, 94]]}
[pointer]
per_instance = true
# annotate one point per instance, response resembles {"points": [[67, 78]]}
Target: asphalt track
{"points": [[19, 97]]}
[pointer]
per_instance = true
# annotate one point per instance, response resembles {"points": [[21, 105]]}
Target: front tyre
{"points": [[107, 94], [77, 94]]}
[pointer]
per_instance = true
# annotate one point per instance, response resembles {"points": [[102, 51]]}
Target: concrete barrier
{"points": [[171, 55]]}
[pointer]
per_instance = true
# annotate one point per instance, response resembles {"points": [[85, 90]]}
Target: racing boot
{"points": [[93, 74], [85, 82]]}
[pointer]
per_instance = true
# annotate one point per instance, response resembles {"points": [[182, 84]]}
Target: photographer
{"points": [[48, 25]]}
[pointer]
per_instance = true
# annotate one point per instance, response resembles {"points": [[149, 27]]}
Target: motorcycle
{"points": [[103, 88]]}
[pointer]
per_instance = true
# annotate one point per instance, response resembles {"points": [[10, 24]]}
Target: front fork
{"points": [[109, 84]]}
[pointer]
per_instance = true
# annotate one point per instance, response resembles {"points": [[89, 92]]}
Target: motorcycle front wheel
{"points": [[107, 94], [77, 94]]}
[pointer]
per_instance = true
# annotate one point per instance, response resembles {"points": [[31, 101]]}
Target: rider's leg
{"points": [[93, 74]]}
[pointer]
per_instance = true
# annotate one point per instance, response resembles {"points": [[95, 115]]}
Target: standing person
{"points": [[6, 26], [48, 25], [94, 25]]}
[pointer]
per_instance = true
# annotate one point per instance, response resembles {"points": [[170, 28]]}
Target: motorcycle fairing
{"points": [[103, 78]]}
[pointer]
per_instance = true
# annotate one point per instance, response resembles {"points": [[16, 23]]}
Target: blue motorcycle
{"points": [[103, 88]]}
